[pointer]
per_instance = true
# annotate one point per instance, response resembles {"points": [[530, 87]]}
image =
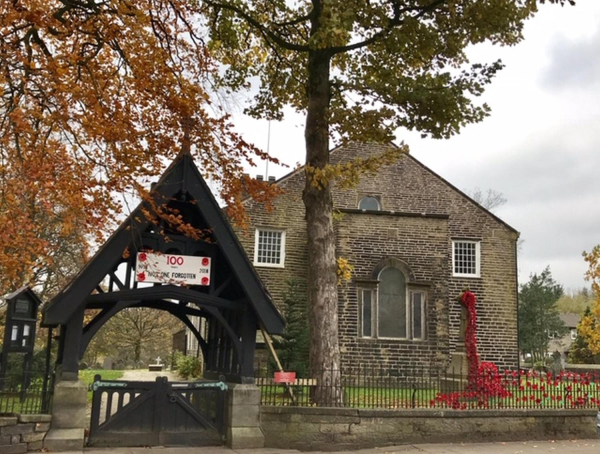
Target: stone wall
{"points": [[23, 433], [337, 429], [420, 241], [425, 213]]}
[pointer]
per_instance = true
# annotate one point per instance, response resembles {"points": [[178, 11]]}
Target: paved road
{"points": [[530, 447]]}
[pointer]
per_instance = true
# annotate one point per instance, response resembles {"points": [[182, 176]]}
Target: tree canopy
{"points": [[390, 63], [538, 314], [580, 352], [134, 337], [577, 301], [589, 328], [92, 95]]}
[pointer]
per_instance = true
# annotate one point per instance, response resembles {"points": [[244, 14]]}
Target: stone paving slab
{"points": [[146, 375], [530, 447]]}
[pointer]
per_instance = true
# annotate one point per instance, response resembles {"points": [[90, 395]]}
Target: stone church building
{"points": [[415, 242]]}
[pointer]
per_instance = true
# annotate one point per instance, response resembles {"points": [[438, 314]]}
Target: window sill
{"points": [[391, 340], [268, 265]]}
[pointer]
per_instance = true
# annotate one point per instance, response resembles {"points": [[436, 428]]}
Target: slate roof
{"points": [[570, 320]]}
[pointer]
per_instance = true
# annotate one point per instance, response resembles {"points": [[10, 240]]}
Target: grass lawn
{"points": [[355, 397], [87, 376], [533, 393]]}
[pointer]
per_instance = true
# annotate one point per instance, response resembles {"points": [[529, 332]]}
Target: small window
{"points": [[269, 248], [418, 315], [369, 204], [573, 334], [367, 313], [466, 258]]}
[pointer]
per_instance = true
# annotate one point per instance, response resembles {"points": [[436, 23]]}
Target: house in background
{"points": [[415, 242], [563, 344]]}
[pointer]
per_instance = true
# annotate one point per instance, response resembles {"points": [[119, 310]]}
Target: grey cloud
{"points": [[559, 168], [553, 191], [573, 63]]}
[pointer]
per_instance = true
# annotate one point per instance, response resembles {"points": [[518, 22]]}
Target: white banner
{"points": [[172, 269]]}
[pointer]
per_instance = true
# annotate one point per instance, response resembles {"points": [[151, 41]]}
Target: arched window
{"points": [[369, 203], [392, 310], [392, 304]]}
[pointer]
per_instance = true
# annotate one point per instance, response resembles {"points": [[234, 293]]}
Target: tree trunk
{"points": [[137, 352], [322, 265]]}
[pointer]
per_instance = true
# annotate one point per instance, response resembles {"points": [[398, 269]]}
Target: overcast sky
{"points": [[539, 147]]}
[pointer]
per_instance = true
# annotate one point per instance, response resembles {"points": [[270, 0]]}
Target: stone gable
{"points": [[421, 215]]}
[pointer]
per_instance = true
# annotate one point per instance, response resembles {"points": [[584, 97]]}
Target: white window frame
{"points": [[281, 263], [477, 244], [573, 334]]}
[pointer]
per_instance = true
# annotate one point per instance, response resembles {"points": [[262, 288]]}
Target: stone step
{"points": [[58, 440]]}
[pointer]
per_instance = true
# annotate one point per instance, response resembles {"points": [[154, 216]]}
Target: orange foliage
{"points": [[91, 99]]}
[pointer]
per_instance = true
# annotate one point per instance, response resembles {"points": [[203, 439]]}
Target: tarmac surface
{"points": [[529, 447]]}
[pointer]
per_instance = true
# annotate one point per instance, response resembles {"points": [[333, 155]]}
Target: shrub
{"points": [[293, 345], [188, 367]]}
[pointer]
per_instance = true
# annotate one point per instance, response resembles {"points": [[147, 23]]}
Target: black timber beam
{"points": [[178, 310], [163, 292], [233, 252], [102, 264]]}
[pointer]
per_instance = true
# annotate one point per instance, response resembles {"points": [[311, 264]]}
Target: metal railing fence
{"points": [[26, 392], [422, 387]]}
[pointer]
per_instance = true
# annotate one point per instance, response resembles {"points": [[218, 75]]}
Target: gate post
{"points": [[243, 417], [69, 418]]}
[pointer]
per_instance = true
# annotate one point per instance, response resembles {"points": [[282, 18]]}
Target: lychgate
{"points": [[224, 290]]}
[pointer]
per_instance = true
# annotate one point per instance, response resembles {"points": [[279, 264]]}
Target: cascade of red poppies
{"points": [[513, 388], [469, 300]]}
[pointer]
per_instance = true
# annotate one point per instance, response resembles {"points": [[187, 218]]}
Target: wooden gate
{"points": [[135, 413]]}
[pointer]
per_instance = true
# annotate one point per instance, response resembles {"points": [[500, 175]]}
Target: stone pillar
{"points": [[69, 419], [243, 417]]}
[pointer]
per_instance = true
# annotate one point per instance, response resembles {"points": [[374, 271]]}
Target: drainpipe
{"points": [[517, 295]]}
